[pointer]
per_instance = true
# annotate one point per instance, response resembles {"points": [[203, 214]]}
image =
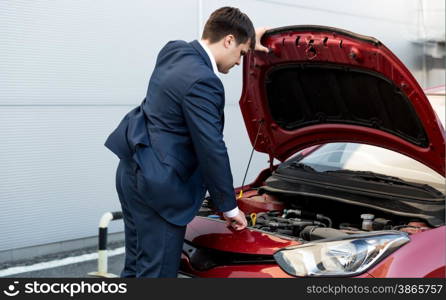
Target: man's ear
{"points": [[228, 40]]}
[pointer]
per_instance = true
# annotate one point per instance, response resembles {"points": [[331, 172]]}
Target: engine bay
{"points": [[307, 219]]}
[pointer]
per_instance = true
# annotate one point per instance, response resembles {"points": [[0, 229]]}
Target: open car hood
{"points": [[320, 85]]}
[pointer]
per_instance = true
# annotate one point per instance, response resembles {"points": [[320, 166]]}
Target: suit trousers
{"points": [[153, 246]]}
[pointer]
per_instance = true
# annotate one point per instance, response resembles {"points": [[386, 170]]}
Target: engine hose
{"points": [[303, 224], [322, 217], [311, 233], [309, 215]]}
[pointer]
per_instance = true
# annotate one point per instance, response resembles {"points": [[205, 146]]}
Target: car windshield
{"points": [[361, 157]]}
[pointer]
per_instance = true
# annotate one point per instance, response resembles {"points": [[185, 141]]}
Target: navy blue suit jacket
{"points": [[176, 136]]}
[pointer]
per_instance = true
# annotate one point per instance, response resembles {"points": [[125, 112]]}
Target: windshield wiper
{"points": [[299, 165]]}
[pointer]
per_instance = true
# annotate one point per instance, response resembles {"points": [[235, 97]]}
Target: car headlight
{"points": [[348, 256]]}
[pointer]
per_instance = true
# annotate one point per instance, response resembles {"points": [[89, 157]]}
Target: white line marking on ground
{"points": [[58, 263]]}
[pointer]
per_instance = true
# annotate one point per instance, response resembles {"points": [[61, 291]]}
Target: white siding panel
{"points": [[84, 51], [56, 178], [69, 71]]}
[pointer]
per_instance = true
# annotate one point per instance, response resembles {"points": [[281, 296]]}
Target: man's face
{"points": [[232, 54]]}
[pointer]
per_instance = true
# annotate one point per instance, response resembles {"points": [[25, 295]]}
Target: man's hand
{"points": [[238, 222], [259, 33]]}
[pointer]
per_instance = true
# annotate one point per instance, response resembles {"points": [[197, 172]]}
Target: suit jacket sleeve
{"points": [[203, 111]]}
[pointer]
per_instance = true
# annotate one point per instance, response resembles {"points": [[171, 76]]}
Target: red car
{"points": [[360, 188]]}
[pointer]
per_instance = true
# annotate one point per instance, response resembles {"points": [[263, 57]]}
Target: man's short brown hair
{"points": [[229, 20]]}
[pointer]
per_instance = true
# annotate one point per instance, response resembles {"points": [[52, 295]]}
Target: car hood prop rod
{"points": [[250, 158]]}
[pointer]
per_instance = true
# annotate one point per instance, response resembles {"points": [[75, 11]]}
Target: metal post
{"points": [[102, 244]]}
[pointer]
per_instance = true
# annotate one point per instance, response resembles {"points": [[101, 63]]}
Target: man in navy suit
{"points": [[171, 147]]}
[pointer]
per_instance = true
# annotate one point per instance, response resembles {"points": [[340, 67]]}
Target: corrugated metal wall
{"points": [[69, 71]]}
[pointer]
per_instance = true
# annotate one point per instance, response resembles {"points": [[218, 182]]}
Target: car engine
{"points": [[309, 219]]}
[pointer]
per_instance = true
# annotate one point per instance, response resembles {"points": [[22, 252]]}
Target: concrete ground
{"points": [[76, 270]]}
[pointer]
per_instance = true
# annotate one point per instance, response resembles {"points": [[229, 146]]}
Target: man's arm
{"points": [[202, 108]]}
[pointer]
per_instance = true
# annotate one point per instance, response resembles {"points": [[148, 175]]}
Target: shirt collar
{"points": [[211, 56]]}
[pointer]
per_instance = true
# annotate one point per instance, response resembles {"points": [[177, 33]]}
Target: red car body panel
{"points": [[241, 271], [413, 260], [318, 44]]}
